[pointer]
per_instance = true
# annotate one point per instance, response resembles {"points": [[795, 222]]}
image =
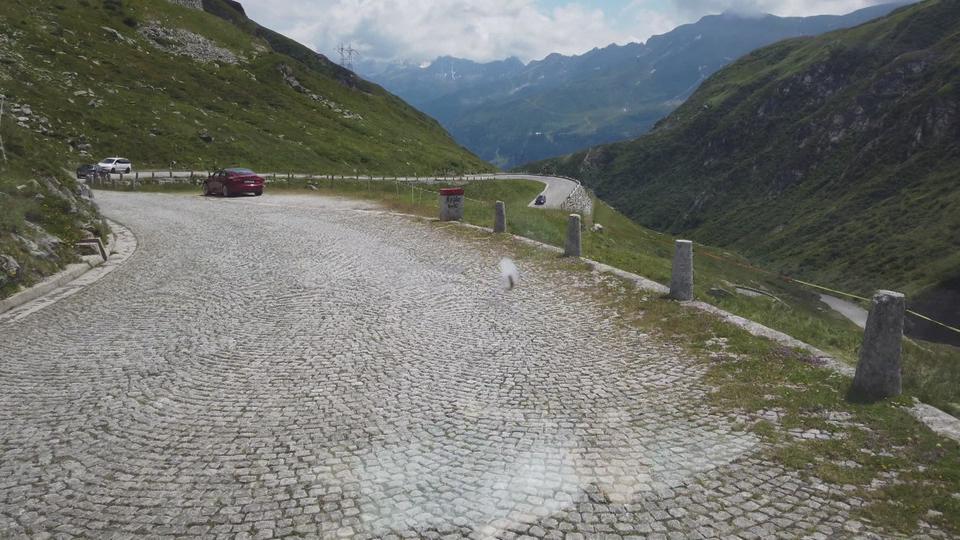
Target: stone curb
{"points": [[938, 421], [66, 276], [49, 284]]}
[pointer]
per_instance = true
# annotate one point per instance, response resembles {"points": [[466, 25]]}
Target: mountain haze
{"points": [[509, 113], [836, 158]]}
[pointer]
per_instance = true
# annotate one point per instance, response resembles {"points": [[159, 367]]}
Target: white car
{"points": [[115, 165]]}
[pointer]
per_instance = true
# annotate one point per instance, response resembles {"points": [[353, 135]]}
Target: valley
{"points": [[510, 113], [832, 159]]}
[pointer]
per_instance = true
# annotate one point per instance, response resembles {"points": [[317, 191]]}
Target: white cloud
{"points": [[484, 30], [419, 30], [783, 8]]}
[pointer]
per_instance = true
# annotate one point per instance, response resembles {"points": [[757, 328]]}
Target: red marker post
{"points": [[451, 204]]}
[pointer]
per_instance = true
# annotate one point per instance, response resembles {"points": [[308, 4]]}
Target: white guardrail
{"points": [[173, 177], [576, 201]]}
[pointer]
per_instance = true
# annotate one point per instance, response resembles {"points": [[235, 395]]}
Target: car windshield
{"points": [[240, 171]]}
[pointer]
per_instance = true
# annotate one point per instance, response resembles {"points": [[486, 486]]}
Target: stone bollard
{"points": [[878, 371], [500, 218], [681, 280], [572, 247]]}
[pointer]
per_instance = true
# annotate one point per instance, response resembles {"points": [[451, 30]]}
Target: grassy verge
{"points": [[38, 199], [903, 473], [931, 371]]}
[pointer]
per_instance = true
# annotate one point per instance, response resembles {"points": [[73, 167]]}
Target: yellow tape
{"points": [[914, 313], [924, 317], [834, 291], [815, 286]]}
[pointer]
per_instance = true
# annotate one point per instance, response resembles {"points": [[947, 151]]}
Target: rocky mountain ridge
{"points": [[510, 113]]}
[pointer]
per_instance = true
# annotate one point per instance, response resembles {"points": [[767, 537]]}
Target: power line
{"points": [[347, 55]]}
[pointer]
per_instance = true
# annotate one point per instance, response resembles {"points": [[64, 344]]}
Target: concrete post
{"points": [[681, 280], [878, 371], [500, 218], [572, 247]]}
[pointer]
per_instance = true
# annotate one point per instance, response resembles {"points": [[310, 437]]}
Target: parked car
{"points": [[115, 165], [541, 200], [227, 182], [86, 170]]}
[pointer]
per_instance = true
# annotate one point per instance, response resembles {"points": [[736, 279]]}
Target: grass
{"points": [[903, 472], [151, 106], [30, 192]]}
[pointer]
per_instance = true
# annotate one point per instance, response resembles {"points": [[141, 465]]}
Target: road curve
{"points": [[856, 314], [302, 365], [556, 191]]}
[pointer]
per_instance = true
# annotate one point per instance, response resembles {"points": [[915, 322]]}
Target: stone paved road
{"points": [[284, 365]]}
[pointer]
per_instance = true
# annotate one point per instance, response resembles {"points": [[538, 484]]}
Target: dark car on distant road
{"points": [[541, 200], [86, 170], [227, 182]]}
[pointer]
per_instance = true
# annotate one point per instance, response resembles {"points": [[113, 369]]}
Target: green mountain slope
{"points": [[159, 82], [168, 84], [836, 158]]}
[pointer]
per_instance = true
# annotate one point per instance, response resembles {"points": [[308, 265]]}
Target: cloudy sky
{"points": [[484, 30]]}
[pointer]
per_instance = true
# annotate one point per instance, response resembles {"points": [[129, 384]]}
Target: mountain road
{"points": [[315, 366]]}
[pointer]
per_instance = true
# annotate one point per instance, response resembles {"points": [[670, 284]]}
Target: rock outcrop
{"points": [[185, 43]]}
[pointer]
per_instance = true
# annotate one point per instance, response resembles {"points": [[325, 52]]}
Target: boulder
{"points": [[9, 269]]}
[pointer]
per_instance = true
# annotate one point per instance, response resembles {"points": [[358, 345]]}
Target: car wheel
{"points": [[113, 170], [205, 189], [225, 192], [258, 193]]}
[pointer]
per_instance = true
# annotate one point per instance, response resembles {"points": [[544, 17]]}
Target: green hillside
{"points": [[835, 158], [167, 85], [159, 83]]}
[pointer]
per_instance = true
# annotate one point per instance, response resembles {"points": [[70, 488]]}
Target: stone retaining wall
{"points": [[195, 4], [578, 201]]}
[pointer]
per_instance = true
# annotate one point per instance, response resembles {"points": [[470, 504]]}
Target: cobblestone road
{"points": [[284, 365]]}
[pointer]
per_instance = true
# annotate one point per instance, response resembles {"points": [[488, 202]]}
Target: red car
{"points": [[229, 182]]}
